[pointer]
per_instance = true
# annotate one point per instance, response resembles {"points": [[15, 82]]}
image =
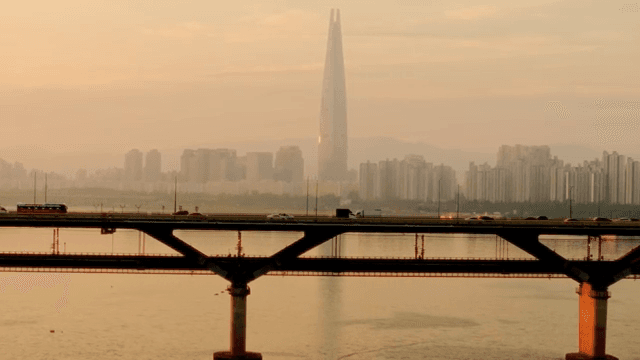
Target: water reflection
{"points": [[330, 311]]}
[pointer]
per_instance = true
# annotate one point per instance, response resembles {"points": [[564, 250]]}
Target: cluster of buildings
{"points": [[409, 179], [11, 173], [215, 165], [530, 174], [218, 165], [218, 171]]}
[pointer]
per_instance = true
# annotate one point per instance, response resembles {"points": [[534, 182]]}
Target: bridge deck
{"points": [[307, 223]]}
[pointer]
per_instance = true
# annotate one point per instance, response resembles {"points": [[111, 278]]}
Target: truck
{"points": [[369, 213], [344, 213]]}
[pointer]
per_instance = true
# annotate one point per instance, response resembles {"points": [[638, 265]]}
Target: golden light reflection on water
{"points": [[187, 317]]}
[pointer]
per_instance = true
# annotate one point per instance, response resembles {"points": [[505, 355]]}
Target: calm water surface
{"points": [[122, 316]]}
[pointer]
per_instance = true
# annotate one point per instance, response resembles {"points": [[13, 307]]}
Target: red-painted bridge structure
{"points": [[594, 276]]}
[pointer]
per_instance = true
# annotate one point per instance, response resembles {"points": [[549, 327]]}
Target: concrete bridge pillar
{"points": [[238, 327], [592, 324]]}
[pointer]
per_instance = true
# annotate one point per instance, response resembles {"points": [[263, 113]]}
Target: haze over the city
{"points": [[82, 83]]}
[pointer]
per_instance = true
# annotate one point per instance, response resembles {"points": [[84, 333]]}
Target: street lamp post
{"points": [[317, 182], [439, 180], [570, 204], [458, 204], [175, 194], [307, 195]]}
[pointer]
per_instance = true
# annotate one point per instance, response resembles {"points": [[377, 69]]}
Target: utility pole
{"points": [[317, 181], [458, 204], [439, 180], [307, 195], [175, 195]]}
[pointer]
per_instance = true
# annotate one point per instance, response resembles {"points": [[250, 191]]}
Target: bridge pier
{"points": [[238, 334], [592, 324]]}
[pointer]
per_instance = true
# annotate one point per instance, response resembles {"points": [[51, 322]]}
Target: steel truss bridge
{"points": [[594, 276]]}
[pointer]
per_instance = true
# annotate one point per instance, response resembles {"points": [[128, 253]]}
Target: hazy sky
{"points": [[111, 75]]}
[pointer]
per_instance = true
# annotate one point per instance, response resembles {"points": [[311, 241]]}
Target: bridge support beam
{"points": [[592, 324], [238, 348]]}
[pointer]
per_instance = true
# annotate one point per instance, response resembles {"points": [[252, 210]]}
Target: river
{"points": [[186, 317]]}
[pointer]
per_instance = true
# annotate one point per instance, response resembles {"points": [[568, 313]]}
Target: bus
{"points": [[42, 209]]}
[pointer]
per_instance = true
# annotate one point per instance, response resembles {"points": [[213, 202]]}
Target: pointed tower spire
{"points": [[332, 142]]}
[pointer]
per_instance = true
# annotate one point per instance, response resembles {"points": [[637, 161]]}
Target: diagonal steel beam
{"points": [[532, 245], [625, 265], [309, 241], [166, 237]]}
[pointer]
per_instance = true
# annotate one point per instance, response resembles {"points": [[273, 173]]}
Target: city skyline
{"points": [[522, 174]]}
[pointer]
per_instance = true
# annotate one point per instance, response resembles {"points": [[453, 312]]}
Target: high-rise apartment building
{"points": [[133, 165], [259, 166], [289, 165], [188, 165], [332, 142], [222, 165], [368, 180], [201, 170], [153, 166]]}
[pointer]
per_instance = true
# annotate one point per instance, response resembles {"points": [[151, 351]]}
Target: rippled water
{"points": [[122, 316]]}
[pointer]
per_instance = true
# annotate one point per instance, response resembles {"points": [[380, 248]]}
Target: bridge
{"points": [[593, 275]]}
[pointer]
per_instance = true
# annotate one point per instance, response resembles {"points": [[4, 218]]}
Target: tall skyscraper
{"points": [[332, 143]]}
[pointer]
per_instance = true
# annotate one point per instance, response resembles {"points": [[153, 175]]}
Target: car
{"points": [[279, 216], [485, 218], [601, 219], [542, 217], [3, 210], [570, 220], [625, 219], [181, 212]]}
